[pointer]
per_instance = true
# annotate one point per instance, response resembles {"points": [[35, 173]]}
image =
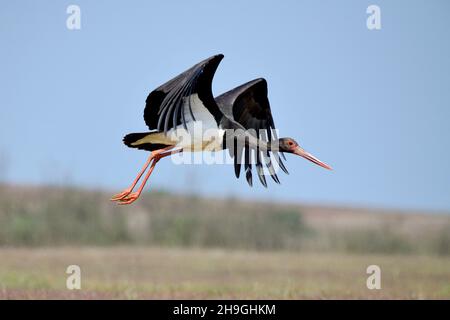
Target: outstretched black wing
{"points": [[164, 108], [249, 105]]}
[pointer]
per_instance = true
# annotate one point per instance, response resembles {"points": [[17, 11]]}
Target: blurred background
{"points": [[372, 103]]}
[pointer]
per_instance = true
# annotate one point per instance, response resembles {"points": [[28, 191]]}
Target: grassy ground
{"points": [[51, 217], [130, 272], [164, 246]]}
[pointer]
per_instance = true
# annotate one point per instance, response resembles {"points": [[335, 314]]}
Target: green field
{"points": [[154, 273], [171, 246]]}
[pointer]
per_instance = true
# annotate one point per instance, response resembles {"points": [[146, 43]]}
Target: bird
{"points": [[240, 121]]}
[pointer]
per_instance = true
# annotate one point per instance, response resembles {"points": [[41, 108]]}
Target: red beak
{"points": [[302, 153]]}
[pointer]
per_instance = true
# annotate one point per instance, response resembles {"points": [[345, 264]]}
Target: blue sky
{"points": [[373, 104]]}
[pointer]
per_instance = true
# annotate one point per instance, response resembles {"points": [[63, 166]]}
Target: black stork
{"points": [[240, 118]]}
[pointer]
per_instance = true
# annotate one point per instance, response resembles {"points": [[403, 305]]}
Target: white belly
{"points": [[202, 134]]}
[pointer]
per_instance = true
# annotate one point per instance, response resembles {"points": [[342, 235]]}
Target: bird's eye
{"points": [[291, 143]]}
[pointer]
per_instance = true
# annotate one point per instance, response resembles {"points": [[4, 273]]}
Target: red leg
{"points": [[130, 198], [127, 191]]}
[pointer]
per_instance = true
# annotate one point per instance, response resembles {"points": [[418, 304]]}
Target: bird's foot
{"points": [[132, 197], [120, 196]]}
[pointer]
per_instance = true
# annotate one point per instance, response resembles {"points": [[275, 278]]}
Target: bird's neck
{"points": [[236, 133], [254, 143]]}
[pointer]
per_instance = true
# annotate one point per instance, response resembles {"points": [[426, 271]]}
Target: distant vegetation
{"points": [[54, 217]]}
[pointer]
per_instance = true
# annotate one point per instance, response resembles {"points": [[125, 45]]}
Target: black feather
{"points": [[165, 104], [271, 169], [248, 166], [260, 170], [237, 160]]}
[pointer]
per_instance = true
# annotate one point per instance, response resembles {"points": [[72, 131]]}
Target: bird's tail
{"points": [[143, 141]]}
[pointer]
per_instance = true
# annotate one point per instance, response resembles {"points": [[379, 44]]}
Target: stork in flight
{"points": [[175, 108]]}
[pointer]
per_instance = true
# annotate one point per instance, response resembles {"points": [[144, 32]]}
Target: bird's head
{"points": [[289, 145]]}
